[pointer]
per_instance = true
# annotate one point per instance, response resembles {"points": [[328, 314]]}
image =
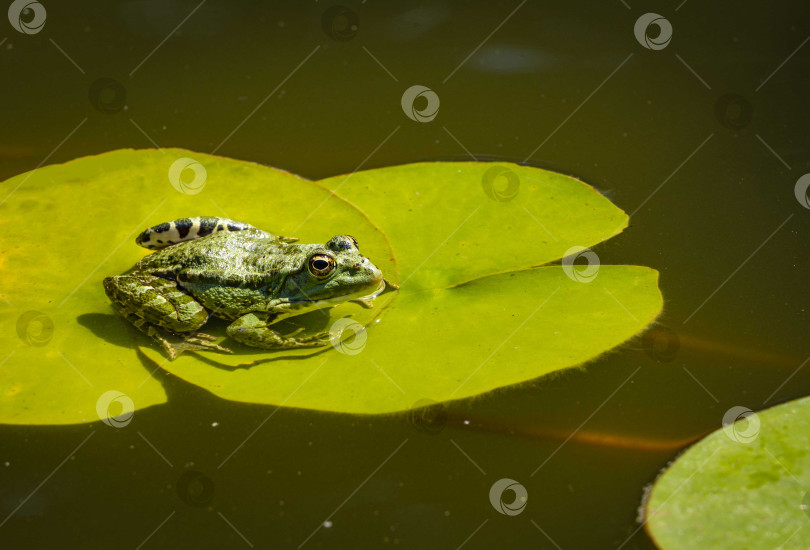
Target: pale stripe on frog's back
{"points": [[186, 229]]}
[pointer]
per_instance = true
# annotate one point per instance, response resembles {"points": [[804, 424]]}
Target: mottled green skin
{"points": [[249, 277], [235, 273]]}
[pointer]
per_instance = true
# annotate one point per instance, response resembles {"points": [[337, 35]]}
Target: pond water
{"points": [[701, 140]]}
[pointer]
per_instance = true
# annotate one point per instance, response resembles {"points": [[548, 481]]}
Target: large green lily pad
{"points": [[743, 486], [463, 239]]}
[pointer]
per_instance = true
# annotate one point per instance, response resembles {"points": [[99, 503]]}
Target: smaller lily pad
{"points": [[746, 485]]}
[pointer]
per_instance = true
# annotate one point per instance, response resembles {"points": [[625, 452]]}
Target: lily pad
{"points": [[463, 240], [743, 486]]}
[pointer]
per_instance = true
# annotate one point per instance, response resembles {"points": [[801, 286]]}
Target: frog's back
{"points": [[246, 252]]}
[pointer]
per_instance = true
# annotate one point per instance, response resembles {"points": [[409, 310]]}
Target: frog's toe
{"points": [[309, 344], [203, 336], [320, 339], [194, 343]]}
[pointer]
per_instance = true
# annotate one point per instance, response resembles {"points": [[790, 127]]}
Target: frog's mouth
{"points": [[364, 294]]}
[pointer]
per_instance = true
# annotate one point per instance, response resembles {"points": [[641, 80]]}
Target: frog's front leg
{"points": [[252, 329], [159, 309]]}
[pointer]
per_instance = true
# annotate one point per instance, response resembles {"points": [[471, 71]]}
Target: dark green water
{"points": [[709, 180]]}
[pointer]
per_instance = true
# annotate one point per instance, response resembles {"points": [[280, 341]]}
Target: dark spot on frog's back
{"points": [[183, 227], [207, 226]]}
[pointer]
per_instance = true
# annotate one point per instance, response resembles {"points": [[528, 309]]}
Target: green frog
{"points": [[206, 266]]}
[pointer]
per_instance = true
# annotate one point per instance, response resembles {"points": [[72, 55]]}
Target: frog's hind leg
{"points": [[160, 310], [186, 229]]}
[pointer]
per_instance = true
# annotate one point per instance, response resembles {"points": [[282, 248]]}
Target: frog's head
{"points": [[333, 273]]}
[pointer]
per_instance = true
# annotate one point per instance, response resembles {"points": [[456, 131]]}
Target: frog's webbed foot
{"points": [[193, 342], [314, 340], [252, 330]]}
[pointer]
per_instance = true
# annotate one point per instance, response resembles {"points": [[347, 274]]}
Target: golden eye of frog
{"points": [[209, 266]]}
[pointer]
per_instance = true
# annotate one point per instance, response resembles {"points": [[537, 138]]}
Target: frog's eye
{"points": [[321, 265], [339, 243]]}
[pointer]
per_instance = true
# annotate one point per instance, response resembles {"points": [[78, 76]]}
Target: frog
{"points": [[209, 266]]}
